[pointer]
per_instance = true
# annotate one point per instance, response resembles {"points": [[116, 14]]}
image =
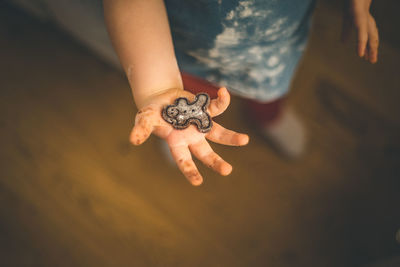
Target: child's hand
{"points": [[184, 142], [357, 13]]}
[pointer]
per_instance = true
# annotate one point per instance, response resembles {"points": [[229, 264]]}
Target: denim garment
{"points": [[250, 46]]}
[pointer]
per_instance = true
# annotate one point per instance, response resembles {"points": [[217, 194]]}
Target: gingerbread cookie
{"points": [[182, 113]]}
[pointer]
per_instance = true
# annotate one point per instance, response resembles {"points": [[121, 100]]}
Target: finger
{"points": [[144, 125], [361, 24], [221, 135], [373, 41], [362, 41], [205, 154], [183, 159], [219, 104]]}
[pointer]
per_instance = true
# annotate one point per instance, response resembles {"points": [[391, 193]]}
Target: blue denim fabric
{"points": [[250, 46]]}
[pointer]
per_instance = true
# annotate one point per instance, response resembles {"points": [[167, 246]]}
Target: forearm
{"points": [[140, 33]]}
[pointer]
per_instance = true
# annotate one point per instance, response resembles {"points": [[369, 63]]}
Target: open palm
{"points": [[183, 143]]}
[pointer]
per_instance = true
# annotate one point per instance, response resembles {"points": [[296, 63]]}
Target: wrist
{"points": [[146, 87], [145, 99]]}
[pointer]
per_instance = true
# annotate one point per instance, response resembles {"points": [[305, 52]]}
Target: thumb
{"points": [[144, 125]]}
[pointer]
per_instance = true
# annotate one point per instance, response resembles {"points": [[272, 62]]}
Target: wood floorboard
{"points": [[74, 192]]}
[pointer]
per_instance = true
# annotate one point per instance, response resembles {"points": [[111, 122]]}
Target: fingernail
{"points": [[197, 181], [247, 140], [244, 140]]}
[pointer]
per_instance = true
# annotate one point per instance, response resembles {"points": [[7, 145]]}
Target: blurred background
{"points": [[74, 192]]}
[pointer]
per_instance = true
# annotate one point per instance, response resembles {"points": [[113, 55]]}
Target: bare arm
{"points": [[141, 36]]}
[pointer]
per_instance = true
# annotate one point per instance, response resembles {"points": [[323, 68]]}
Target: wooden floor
{"points": [[74, 192]]}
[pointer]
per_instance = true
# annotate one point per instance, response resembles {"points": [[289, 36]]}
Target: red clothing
{"points": [[263, 113]]}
